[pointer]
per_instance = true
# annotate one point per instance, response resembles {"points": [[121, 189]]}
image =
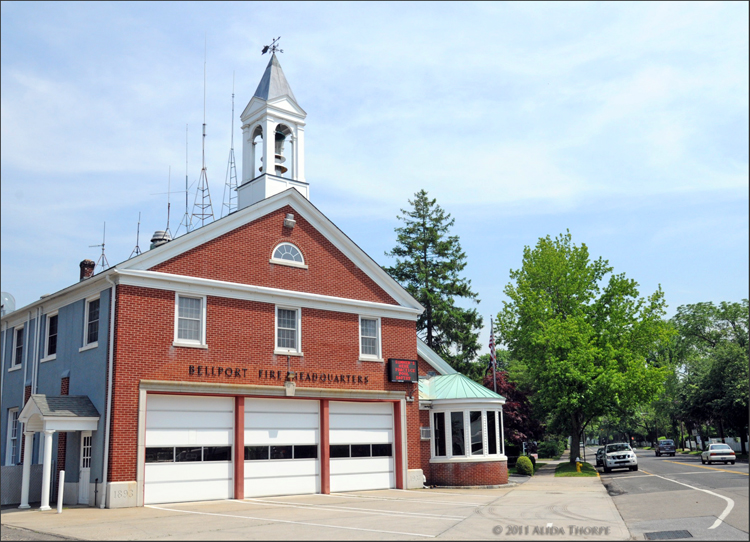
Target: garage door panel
{"points": [[183, 403], [280, 405], [367, 408], [187, 491], [270, 468], [189, 437], [361, 437], [361, 465], [206, 471], [197, 419], [281, 420], [362, 482], [279, 438], [354, 421]]}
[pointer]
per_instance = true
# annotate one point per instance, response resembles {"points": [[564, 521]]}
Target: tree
{"points": [[584, 342], [713, 353], [519, 423], [429, 263]]}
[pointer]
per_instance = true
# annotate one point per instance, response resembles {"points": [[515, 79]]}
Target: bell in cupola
{"points": [[281, 135]]}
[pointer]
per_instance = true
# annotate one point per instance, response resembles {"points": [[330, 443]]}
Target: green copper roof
{"points": [[454, 386]]}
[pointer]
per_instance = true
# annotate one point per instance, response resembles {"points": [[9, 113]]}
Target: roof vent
{"points": [[160, 238]]}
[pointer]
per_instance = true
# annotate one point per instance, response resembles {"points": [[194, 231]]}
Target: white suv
{"points": [[619, 456]]}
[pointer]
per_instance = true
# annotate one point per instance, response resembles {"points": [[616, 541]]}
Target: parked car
{"points": [[718, 452], [600, 457], [665, 447], [619, 456]]}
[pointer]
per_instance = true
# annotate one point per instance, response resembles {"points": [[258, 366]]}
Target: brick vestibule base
{"points": [[468, 474]]}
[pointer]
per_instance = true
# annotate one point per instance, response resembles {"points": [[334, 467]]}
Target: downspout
{"points": [[108, 416], [35, 361], [2, 362], [25, 360]]}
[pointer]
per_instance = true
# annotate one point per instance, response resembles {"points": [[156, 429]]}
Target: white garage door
{"points": [[188, 448], [282, 452], [361, 439]]}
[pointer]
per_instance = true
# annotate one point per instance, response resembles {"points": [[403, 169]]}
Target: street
{"points": [[680, 494]]}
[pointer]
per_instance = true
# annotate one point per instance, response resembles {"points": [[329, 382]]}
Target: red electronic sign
{"points": [[402, 370]]}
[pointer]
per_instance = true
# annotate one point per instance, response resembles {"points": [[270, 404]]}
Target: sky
{"points": [[624, 123]]}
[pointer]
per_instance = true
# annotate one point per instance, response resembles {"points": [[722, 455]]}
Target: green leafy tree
{"points": [[584, 342], [713, 356], [429, 262]]}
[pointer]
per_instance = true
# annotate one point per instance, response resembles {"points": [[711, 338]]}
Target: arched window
{"points": [[288, 254]]}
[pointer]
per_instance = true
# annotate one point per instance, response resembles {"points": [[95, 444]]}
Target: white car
{"points": [[718, 452], [619, 456]]}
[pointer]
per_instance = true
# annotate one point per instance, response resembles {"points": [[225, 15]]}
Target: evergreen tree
{"points": [[428, 265]]}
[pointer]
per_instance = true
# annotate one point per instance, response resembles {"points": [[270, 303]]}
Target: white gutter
{"points": [[108, 415]]}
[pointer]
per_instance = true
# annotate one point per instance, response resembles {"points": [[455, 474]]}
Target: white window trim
{"points": [[287, 351], [9, 458], [87, 345], [367, 357], [288, 262], [13, 365], [186, 342], [468, 458], [47, 356]]}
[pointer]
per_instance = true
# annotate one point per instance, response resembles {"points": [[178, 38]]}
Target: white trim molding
{"points": [[297, 350], [47, 355], [86, 314], [378, 356], [201, 342]]}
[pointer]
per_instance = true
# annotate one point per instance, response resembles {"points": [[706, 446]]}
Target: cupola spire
{"points": [[273, 138]]}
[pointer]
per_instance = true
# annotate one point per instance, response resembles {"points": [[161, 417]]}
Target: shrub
{"points": [[524, 466], [533, 461], [550, 448]]}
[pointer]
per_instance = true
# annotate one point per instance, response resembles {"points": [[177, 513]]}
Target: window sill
{"points": [[288, 263], [190, 345], [469, 459], [48, 358], [376, 360], [288, 353], [15, 368], [88, 347]]}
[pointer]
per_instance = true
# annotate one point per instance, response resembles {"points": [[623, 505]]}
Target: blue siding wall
{"points": [[87, 371]]}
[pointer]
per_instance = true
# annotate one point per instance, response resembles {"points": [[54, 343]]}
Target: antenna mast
{"points": [[229, 203], [137, 249], [102, 261], [186, 217], [202, 208]]}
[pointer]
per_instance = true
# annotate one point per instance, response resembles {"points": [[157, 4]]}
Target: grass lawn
{"points": [[569, 470]]}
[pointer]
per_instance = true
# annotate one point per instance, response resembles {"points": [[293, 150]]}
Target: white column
{"points": [[299, 150], [28, 445], [292, 158], [502, 431], [248, 160], [46, 468], [269, 147]]}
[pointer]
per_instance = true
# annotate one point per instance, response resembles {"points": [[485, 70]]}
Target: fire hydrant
{"points": [[578, 464]]}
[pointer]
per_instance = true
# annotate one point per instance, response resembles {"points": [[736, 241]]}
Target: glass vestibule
{"points": [[466, 433]]}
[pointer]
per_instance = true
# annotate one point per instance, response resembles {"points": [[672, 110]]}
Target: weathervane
{"points": [[273, 47]]}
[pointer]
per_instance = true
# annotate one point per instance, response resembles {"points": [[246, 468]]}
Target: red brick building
{"points": [[265, 353]]}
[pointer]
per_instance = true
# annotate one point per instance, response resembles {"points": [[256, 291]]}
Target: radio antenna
{"points": [[202, 208], [137, 249], [186, 218], [229, 203], [102, 261]]}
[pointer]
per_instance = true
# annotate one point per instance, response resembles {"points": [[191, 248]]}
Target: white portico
{"points": [[273, 140], [48, 415]]}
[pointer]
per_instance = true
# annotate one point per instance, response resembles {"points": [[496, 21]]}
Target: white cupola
{"points": [[273, 140]]}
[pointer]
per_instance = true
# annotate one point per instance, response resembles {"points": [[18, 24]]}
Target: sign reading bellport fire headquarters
{"points": [[402, 370]]}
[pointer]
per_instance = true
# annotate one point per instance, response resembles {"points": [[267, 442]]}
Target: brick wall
{"points": [[239, 334], [242, 256], [468, 474]]}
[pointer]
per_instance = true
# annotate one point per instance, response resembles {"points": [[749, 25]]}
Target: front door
{"points": [[85, 468]]}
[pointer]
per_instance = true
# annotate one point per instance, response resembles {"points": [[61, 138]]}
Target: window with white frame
{"points": [[288, 254], [50, 344], [11, 448], [91, 328], [190, 320], [18, 346], [450, 438], [369, 338], [287, 330]]}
